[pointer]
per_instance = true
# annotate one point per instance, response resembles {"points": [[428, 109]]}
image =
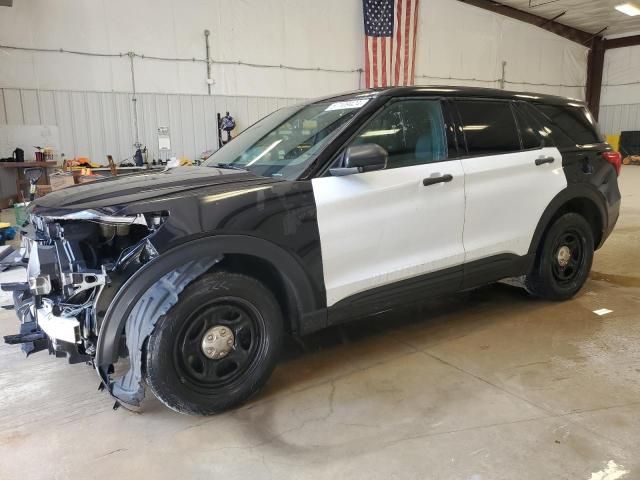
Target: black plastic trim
{"points": [[491, 269], [413, 290], [396, 294], [292, 273]]}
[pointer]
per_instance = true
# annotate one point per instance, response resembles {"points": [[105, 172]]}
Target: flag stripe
{"points": [[416, 12], [398, 44], [367, 79], [389, 70], [405, 41]]}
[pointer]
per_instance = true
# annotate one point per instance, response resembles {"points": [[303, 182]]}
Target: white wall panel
{"points": [[30, 107], [47, 107], [621, 76], [620, 100], [64, 120], [3, 114], [96, 124], [619, 118], [537, 60], [13, 107], [454, 41]]}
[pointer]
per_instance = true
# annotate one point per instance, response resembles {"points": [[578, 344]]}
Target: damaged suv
{"points": [[187, 280]]}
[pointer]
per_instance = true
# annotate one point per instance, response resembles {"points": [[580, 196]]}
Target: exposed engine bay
{"points": [[70, 263]]}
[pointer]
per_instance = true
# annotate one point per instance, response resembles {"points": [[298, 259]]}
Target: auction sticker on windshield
{"points": [[348, 104]]}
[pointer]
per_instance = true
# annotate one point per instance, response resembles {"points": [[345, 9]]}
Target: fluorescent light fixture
{"points": [[475, 128], [629, 8]]}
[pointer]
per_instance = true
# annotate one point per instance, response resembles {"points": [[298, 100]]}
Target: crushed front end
{"points": [[74, 263]]}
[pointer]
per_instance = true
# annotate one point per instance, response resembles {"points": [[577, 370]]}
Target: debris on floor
{"points": [[612, 472]]}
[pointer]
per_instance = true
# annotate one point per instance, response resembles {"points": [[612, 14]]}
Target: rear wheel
{"points": [[215, 347], [564, 260]]}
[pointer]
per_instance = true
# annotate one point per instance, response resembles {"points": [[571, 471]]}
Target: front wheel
{"points": [[217, 346], [564, 260]]}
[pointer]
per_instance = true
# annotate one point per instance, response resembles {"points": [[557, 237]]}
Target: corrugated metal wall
{"points": [[97, 124], [614, 119]]}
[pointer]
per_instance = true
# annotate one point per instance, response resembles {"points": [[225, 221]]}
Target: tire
{"points": [[216, 347], [564, 259]]}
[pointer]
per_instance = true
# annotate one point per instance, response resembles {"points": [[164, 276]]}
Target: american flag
{"points": [[390, 28]]}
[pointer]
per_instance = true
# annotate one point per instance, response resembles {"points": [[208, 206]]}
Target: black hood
{"points": [[125, 190]]}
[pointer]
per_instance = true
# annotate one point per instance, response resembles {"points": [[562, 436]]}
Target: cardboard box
{"points": [[89, 178], [42, 190], [58, 182]]}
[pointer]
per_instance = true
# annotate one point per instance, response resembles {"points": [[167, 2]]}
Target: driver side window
{"points": [[411, 131]]}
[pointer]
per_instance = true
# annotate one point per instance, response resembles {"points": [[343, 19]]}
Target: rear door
{"points": [[510, 178], [574, 131], [382, 227]]}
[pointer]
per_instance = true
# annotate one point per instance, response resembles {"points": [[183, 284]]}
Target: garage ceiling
{"points": [[587, 15]]}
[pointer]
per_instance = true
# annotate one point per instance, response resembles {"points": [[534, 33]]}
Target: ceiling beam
{"points": [[6, 3], [595, 69], [570, 33], [622, 42]]}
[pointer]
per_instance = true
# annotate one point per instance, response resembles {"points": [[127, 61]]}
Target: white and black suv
{"points": [[320, 213]]}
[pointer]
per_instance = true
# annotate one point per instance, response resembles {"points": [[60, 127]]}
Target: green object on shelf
{"points": [[20, 209]]}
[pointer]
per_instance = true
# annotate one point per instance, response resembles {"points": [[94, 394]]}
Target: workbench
{"points": [[21, 183]]}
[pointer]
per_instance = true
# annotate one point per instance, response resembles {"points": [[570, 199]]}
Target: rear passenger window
{"points": [[411, 131], [489, 127], [574, 122], [530, 138]]}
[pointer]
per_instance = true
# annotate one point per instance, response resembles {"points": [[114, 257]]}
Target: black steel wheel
{"points": [[564, 259], [218, 342], [215, 347], [569, 257]]}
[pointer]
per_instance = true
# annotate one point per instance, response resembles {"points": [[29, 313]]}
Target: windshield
{"points": [[285, 143]]}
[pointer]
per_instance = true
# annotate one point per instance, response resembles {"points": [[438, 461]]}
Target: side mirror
{"points": [[361, 158]]}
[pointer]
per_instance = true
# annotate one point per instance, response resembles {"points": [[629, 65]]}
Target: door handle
{"points": [[543, 160], [433, 180]]}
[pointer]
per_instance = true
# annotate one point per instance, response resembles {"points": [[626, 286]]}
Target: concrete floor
{"points": [[484, 385]]}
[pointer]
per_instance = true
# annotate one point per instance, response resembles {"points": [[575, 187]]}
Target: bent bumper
{"points": [[57, 328]]}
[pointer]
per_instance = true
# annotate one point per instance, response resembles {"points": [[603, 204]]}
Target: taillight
{"points": [[615, 159]]}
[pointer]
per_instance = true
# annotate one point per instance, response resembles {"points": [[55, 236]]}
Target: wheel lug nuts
{"points": [[230, 342]]}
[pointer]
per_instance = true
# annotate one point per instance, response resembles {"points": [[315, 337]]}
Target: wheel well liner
{"points": [[269, 275], [302, 298], [588, 202]]}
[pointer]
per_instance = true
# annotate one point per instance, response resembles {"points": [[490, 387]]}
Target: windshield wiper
{"points": [[230, 166]]}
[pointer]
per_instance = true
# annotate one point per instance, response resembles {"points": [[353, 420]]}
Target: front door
{"points": [[382, 227]]}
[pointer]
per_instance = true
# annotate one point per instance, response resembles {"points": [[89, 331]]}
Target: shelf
{"points": [[28, 164]]}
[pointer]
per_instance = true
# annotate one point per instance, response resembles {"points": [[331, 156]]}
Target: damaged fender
{"points": [[136, 307], [154, 303]]}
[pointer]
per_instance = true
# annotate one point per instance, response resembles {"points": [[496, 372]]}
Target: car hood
{"points": [[124, 190]]}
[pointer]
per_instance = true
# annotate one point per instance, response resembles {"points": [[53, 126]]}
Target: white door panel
{"points": [[505, 197], [380, 227]]}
